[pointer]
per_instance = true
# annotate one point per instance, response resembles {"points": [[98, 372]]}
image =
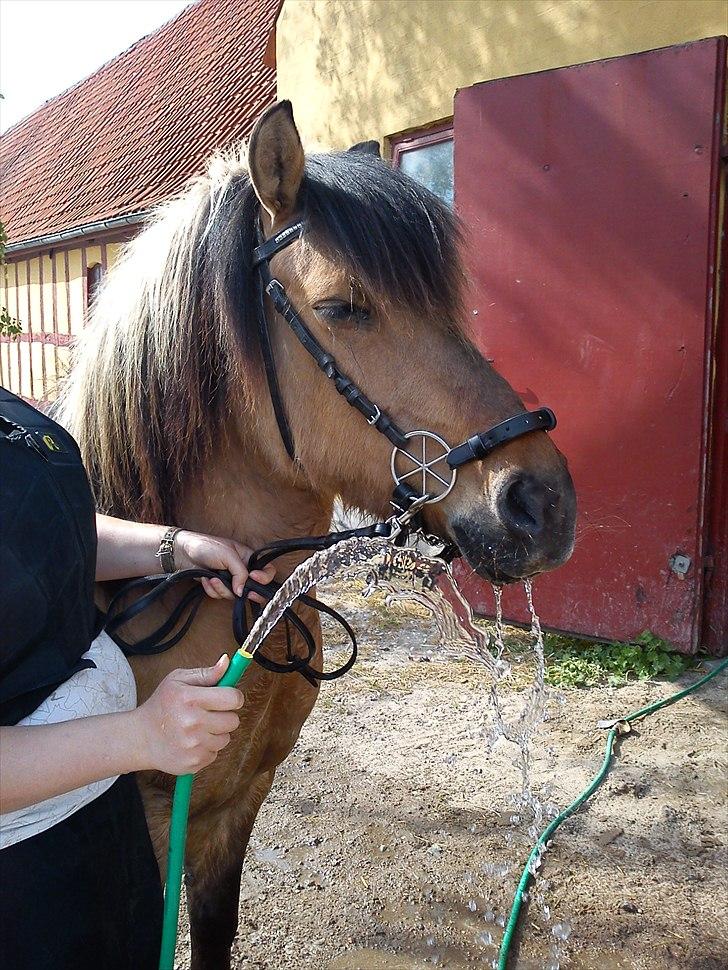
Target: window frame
{"points": [[420, 139], [95, 274]]}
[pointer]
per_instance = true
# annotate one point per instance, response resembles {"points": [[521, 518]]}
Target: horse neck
{"points": [[235, 496], [240, 496]]}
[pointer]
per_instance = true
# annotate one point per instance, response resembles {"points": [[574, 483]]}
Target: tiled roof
{"points": [[132, 133]]}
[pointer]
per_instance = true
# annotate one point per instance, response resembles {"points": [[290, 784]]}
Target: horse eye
{"points": [[337, 311]]}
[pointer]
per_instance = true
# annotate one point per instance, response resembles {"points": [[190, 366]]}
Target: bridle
{"points": [[406, 500], [409, 462]]}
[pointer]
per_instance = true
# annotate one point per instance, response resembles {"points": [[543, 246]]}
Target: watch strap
{"points": [[165, 553]]}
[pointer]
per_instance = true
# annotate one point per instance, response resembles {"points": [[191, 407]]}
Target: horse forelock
{"points": [[400, 240], [172, 347]]}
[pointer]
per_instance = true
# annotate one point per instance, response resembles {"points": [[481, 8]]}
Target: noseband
{"points": [[411, 461]]}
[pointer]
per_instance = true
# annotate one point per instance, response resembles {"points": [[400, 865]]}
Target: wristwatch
{"points": [[165, 553]]}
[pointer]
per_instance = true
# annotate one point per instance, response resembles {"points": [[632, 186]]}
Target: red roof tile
{"points": [[132, 133]]}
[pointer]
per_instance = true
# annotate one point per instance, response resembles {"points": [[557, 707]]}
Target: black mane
{"points": [[398, 239], [401, 239]]}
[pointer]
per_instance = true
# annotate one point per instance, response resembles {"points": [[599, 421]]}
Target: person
{"points": [[79, 882]]}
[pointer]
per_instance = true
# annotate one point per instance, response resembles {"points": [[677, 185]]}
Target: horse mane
{"points": [[172, 342]]}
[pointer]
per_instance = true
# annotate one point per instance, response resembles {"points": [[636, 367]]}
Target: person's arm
{"points": [[180, 729], [127, 549]]}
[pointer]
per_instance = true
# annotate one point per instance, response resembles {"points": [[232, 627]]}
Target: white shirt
{"points": [[105, 689]]}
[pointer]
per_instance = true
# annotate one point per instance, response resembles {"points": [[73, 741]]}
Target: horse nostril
{"points": [[525, 504]]}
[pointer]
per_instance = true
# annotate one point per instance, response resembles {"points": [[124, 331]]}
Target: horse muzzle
{"points": [[526, 528]]}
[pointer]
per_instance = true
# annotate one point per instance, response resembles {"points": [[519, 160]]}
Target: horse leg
{"points": [[213, 887], [213, 908]]}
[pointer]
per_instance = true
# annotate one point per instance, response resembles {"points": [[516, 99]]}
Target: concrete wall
{"points": [[359, 69], [47, 292]]}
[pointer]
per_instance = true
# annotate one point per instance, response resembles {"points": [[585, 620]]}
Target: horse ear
{"points": [[276, 160], [367, 148]]}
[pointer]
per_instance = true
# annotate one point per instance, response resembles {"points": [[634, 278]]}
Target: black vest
{"points": [[47, 558]]}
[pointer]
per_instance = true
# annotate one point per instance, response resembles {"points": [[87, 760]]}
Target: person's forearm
{"points": [[39, 761], [126, 548]]}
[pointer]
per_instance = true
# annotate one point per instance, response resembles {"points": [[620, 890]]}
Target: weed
{"points": [[572, 662]]}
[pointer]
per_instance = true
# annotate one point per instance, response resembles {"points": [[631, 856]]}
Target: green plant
{"points": [[573, 662], [9, 326]]}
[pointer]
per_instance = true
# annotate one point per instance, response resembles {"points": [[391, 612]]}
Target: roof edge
{"points": [[269, 55], [68, 235]]}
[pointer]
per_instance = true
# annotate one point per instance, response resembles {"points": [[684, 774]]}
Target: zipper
{"points": [[20, 434]]}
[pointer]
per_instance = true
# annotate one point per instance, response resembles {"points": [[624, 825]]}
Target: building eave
{"points": [[66, 236]]}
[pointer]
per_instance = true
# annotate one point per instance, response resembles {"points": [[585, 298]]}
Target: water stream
{"points": [[402, 573], [405, 574]]}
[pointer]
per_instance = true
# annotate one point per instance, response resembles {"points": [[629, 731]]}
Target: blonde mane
{"points": [[151, 375], [173, 339]]}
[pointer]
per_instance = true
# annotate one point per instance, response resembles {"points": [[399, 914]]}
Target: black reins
{"points": [[182, 615], [407, 501]]}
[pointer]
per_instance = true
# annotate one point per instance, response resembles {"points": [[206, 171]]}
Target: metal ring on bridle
{"points": [[423, 472]]}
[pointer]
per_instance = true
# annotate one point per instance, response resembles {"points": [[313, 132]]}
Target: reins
{"points": [[181, 617]]}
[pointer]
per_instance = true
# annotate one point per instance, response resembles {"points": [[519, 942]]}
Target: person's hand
{"points": [[187, 721], [212, 552]]}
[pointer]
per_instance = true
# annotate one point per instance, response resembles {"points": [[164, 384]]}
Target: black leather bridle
{"points": [[407, 502], [404, 496]]}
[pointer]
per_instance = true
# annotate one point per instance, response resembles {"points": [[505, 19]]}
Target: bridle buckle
{"points": [[374, 417], [398, 522]]}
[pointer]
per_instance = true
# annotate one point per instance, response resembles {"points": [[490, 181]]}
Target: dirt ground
{"points": [[387, 842]]}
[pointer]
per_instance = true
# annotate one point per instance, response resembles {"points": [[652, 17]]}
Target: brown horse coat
{"points": [[169, 403]]}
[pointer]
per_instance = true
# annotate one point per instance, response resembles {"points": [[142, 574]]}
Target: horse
{"points": [[168, 399]]}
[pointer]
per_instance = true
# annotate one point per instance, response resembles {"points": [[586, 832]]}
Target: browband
{"points": [[284, 237]]}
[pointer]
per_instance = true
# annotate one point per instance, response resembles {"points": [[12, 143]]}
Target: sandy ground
{"points": [[387, 842]]}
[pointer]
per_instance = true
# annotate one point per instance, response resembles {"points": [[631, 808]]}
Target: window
{"points": [[94, 275], [427, 156]]}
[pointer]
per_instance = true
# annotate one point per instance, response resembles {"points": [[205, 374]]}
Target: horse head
{"points": [[374, 272]]}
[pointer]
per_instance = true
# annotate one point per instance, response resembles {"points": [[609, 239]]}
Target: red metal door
{"points": [[590, 198]]}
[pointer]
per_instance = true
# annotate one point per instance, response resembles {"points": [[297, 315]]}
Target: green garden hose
{"points": [[239, 663], [620, 726], [183, 790]]}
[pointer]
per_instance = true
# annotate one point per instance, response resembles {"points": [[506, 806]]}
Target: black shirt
{"points": [[47, 558]]}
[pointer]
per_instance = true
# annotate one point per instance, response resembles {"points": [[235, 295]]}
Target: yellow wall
{"points": [[360, 69], [33, 367]]}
